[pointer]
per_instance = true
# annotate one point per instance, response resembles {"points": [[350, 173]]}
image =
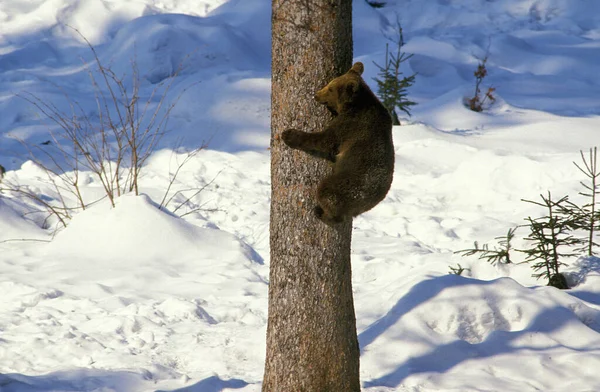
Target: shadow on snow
{"points": [[82, 380], [444, 357]]}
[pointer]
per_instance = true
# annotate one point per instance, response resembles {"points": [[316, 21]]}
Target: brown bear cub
{"points": [[359, 143]]}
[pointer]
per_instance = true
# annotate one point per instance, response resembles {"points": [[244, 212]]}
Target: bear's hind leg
{"points": [[332, 204]]}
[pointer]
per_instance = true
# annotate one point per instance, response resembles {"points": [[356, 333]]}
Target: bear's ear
{"points": [[352, 87], [358, 68]]}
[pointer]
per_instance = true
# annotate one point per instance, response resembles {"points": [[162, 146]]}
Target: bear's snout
{"points": [[319, 96]]}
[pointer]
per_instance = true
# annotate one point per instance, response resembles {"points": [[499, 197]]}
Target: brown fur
{"points": [[359, 143]]}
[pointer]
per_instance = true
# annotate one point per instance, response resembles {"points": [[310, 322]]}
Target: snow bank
{"points": [[175, 44], [105, 233], [451, 328], [14, 227], [136, 299], [120, 282]]}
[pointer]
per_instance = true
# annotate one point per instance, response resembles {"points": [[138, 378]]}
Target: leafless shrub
{"points": [[480, 100], [113, 144]]}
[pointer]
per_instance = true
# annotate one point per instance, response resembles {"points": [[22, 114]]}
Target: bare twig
{"points": [[114, 147]]}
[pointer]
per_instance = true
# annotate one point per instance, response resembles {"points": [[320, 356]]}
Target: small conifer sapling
{"points": [[587, 216], [548, 236], [493, 256], [391, 84], [458, 270]]}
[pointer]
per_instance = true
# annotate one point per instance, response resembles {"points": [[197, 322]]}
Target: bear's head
{"points": [[342, 90]]}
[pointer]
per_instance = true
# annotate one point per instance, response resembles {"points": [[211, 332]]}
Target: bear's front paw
{"points": [[291, 137]]}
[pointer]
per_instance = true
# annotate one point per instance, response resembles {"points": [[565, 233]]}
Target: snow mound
{"points": [[444, 325], [137, 230], [14, 226], [163, 44], [128, 285], [135, 299], [97, 20]]}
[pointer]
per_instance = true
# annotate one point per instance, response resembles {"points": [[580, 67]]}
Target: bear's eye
{"points": [[330, 89]]}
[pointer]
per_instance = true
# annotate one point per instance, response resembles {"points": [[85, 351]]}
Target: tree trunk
{"points": [[311, 335]]}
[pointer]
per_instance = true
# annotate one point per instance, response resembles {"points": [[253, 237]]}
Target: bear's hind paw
{"points": [[327, 218], [319, 211]]}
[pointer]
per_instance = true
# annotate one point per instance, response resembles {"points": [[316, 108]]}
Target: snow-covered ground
{"points": [[134, 298]]}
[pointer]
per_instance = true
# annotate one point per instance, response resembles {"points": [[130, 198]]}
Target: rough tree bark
{"points": [[311, 335]]}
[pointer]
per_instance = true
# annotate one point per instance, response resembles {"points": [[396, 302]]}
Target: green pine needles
{"points": [[565, 230], [499, 254], [548, 236], [587, 216], [458, 270], [391, 84]]}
